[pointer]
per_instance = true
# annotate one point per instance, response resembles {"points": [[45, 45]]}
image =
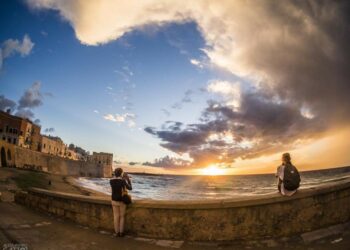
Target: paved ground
{"points": [[34, 230]]}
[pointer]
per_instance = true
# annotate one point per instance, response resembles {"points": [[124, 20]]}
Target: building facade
{"points": [[101, 158], [19, 131], [24, 135], [53, 145], [104, 160]]}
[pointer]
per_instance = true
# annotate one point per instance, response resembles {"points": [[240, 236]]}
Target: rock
{"points": [[336, 240]]}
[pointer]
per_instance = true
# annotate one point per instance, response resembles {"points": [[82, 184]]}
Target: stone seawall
{"points": [[28, 159], [232, 219]]}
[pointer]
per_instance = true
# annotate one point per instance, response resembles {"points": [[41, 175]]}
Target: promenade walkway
{"points": [[34, 230]]}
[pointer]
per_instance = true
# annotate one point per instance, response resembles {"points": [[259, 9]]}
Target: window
{"points": [[7, 128], [44, 145], [14, 141], [4, 138], [0, 130], [10, 130], [8, 139]]}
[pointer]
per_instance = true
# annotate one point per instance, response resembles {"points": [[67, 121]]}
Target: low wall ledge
{"points": [[207, 204]]}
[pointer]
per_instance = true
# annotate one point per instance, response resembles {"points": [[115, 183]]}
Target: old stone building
{"points": [[71, 154], [23, 146], [104, 160], [19, 131], [53, 145], [19, 157], [101, 158]]}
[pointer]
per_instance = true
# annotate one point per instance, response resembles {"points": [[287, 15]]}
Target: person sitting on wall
{"points": [[288, 176], [118, 184]]}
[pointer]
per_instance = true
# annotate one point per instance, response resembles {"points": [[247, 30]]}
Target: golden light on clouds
{"points": [[290, 62], [331, 151]]}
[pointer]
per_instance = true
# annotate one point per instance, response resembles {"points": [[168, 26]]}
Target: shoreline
{"points": [[71, 180], [15, 179], [70, 184], [95, 189]]}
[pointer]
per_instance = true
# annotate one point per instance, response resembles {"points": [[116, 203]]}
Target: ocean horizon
{"points": [[197, 187]]}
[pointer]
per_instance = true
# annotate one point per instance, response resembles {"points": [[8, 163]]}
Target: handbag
{"points": [[126, 198]]}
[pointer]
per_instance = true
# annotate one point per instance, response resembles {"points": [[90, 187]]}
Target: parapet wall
{"points": [[232, 219], [29, 159]]}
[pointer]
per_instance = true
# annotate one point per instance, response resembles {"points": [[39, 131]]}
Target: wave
{"points": [[198, 187]]}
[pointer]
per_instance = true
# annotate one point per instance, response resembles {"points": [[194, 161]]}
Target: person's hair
{"points": [[286, 157], [118, 172]]}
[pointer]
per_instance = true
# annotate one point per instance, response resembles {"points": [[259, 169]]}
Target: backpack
{"points": [[291, 179]]}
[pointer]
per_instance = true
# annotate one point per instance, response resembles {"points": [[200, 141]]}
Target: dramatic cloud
{"points": [[31, 98], [97, 22], [230, 91], [168, 162], [295, 47], [6, 103], [260, 126], [25, 113], [11, 47], [293, 59]]}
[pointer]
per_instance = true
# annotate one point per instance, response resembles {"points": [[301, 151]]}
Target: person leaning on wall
{"points": [[119, 184]]}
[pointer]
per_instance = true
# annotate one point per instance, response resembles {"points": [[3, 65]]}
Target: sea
{"points": [[195, 187]]}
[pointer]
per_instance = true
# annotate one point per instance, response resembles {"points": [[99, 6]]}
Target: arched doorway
{"points": [[3, 157]]}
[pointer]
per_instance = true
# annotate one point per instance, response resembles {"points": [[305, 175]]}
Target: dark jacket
{"points": [[117, 185]]}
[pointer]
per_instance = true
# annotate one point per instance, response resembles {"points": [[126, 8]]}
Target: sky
{"points": [[183, 86]]}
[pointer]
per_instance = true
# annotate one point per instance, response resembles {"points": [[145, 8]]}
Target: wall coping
{"points": [[255, 200]]}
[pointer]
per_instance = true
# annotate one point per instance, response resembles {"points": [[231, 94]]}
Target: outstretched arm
{"points": [[128, 183]]}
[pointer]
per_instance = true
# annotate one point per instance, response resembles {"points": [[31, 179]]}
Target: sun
{"points": [[212, 170]]}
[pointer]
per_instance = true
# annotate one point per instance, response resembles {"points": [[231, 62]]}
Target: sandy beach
{"points": [[12, 179]]}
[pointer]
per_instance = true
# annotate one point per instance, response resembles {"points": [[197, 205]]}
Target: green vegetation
{"points": [[29, 179]]}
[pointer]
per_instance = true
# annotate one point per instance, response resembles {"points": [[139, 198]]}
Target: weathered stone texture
{"points": [[33, 160], [254, 218]]}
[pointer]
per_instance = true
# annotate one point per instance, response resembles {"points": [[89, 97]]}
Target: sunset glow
{"points": [[183, 87], [212, 170]]}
